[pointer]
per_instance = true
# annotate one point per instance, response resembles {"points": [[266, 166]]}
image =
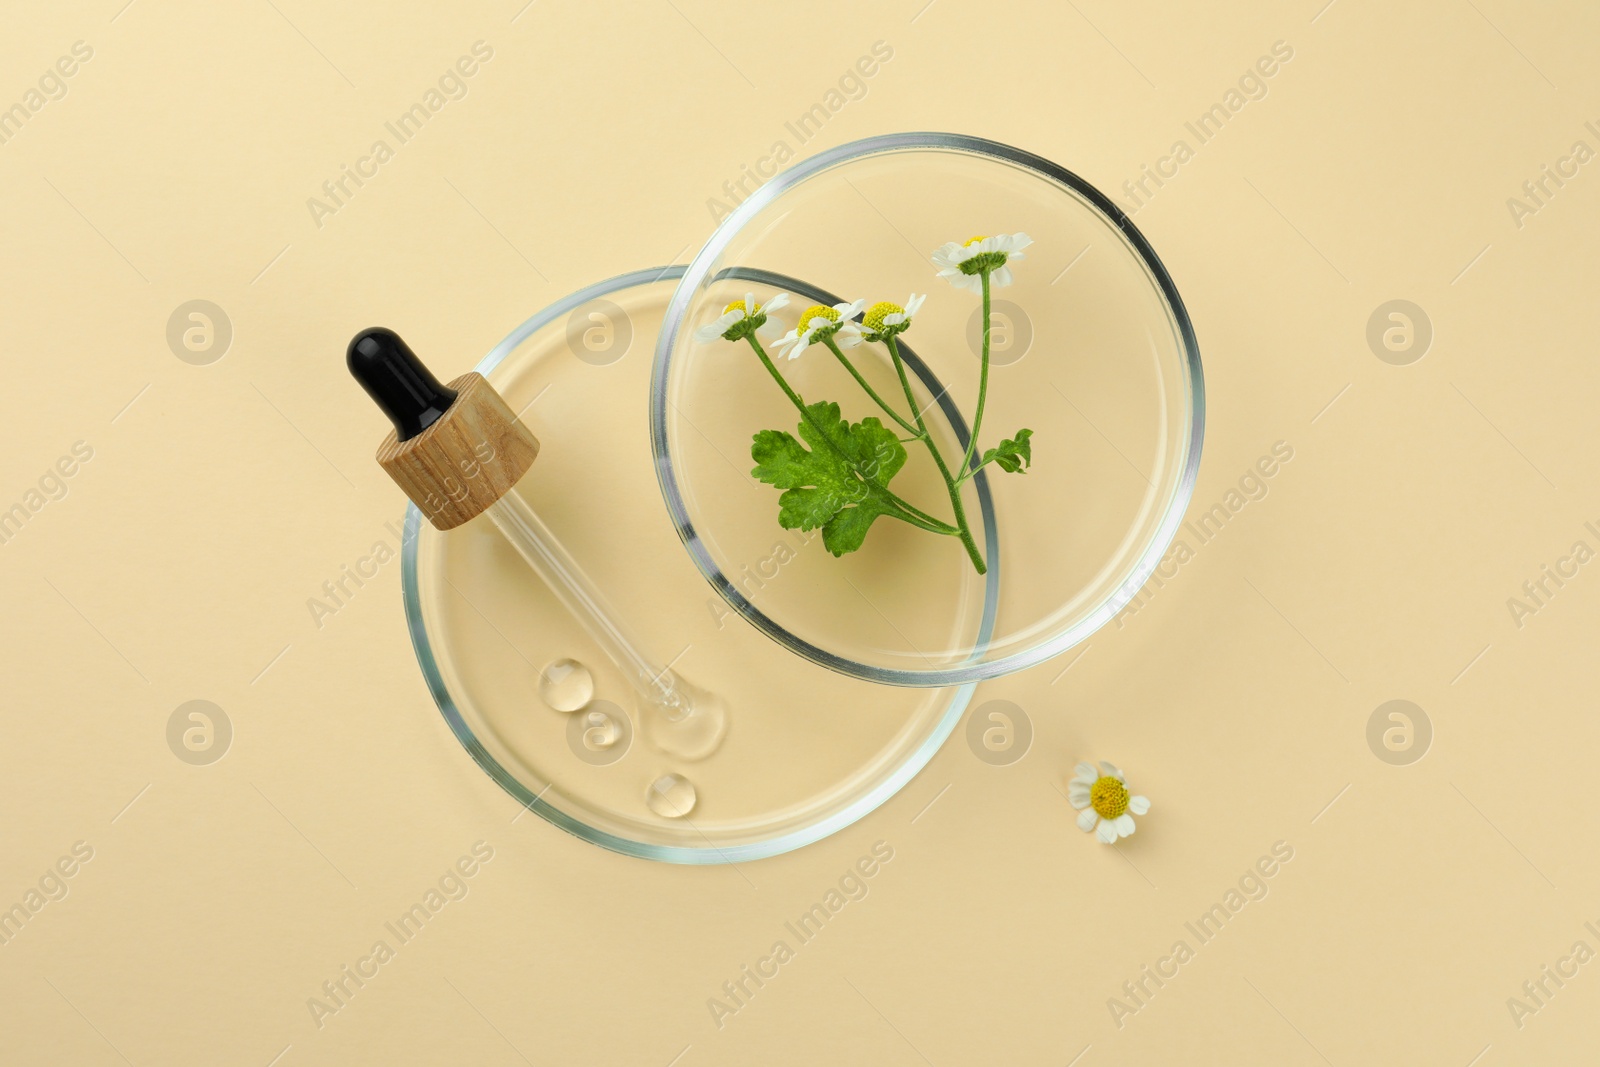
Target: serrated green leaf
{"points": [[835, 483], [847, 530], [1012, 454]]}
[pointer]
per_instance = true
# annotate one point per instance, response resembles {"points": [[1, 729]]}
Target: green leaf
{"points": [[835, 483], [1013, 454]]}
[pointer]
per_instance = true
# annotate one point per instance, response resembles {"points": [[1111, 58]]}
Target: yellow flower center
{"points": [[738, 305], [1109, 797], [817, 311], [880, 311]]}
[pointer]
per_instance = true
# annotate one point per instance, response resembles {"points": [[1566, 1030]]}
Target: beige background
{"points": [[219, 898]]}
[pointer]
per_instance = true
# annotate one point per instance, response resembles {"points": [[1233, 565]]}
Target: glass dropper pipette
{"points": [[458, 451]]}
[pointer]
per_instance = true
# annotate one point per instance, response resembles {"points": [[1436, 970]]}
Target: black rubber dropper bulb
{"points": [[394, 377]]}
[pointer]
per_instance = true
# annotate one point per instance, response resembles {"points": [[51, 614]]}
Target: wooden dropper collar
{"points": [[454, 449]]}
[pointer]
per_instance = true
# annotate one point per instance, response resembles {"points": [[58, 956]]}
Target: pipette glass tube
{"points": [[457, 451], [551, 561]]}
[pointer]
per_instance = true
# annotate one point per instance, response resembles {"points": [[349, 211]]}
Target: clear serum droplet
{"points": [[671, 796], [566, 685]]}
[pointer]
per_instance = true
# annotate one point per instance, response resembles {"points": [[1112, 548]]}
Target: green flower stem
{"points": [[951, 484], [891, 412], [972, 470], [983, 383], [904, 510]]}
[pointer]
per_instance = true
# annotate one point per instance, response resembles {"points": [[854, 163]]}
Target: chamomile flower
{"points": [[818, 323], [742, 318], [885, 319], [963, 265], [1104, 804]]}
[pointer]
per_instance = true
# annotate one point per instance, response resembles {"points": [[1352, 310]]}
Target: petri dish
{"points": [[807, 751], [1091, 349]]}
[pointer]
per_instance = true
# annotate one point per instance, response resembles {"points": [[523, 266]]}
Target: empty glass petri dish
{"points": [[807, 751], [1091, 349]]}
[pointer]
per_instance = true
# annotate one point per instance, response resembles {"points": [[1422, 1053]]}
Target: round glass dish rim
{"points": [[712, 854], [700, 267]]}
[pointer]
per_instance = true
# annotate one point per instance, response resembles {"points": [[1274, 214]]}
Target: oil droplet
{"points": [[566, 685], [692, 727], [671, 796]]}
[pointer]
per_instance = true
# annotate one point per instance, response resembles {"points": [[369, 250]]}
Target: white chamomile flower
{"points": [[737, 321], [885, 319], [818, 323], [963, 265], [1101, 797]]}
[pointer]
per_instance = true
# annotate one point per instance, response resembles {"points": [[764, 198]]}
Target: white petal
{"points": [[1078, 796], [849, 336], [1001, 277], [1087, 819], [778, 300], [914, 303], [787, 345], [1086, 772], [1106, 832], [716, 329], [770, 328], [894, 318], [1124, 824], [1110, 770], [850, 310], [1011, 244], [1139, 805]]}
